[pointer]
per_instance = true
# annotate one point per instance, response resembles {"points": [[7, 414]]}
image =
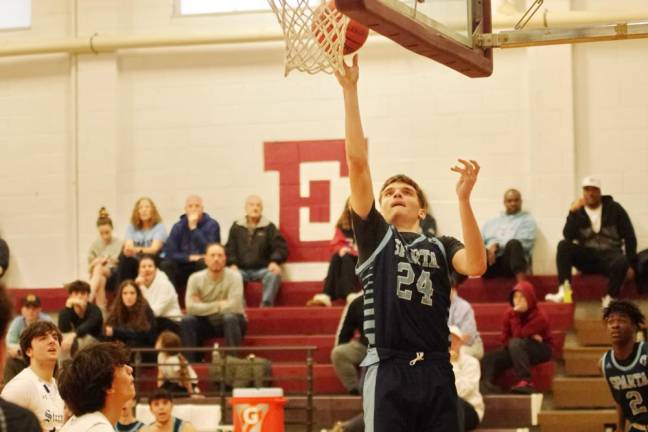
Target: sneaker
{"points": [[338, 427], [605, 301], [558, 297], [523, 387], [319, 300]]}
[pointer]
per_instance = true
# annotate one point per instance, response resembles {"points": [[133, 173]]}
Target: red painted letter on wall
{"points": [[286, 158]]}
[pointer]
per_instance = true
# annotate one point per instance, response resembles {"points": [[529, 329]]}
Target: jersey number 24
{"points": [[405, 281]]}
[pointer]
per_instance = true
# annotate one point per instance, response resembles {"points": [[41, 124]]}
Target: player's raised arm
{"points": [[355, 142], [471, 260]]}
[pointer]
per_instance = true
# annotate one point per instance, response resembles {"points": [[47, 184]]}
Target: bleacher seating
{"points": [[291, 323]]}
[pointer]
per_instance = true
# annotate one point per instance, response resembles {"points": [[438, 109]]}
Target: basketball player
{"points": [[95, 385], [34, 387], [12, 417], [625, 366], [161, 406], [409, 384]]}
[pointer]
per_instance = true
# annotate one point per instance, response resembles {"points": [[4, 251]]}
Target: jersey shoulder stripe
{"points": [[388, 235]]}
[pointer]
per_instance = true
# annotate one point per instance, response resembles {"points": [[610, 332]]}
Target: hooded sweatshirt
{"points": [[529, 323]]}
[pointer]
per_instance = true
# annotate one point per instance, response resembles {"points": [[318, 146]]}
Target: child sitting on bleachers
{"points": [[175, 374], [527, 341]]}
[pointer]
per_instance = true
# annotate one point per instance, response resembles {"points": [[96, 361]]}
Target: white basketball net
{"points": [[313, 35]]}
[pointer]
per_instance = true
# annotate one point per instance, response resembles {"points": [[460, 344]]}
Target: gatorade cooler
{"points": [[258, 409]]}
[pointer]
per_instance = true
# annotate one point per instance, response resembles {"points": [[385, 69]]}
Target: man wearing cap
{"points": [[30, 312], [598, 238], [509, 239]]}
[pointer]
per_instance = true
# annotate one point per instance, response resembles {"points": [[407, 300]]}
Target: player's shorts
{"points": [[400, 395]]}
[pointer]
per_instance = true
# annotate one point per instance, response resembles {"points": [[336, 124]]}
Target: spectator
{"points": [[102, 260], [461, 315], [95, 385], [596, 233], [127, 421], [144, 235], [161, 406], [509, 239], [428, 224], [131, 319], [256, 248], [348, 351], [214, 302], [466, 371], [17, 418], [35, 387], [4, 257], [527, 341], [341, 279], [80, 321], [184, 250], [160, 295], [174, 372], [30, 312]]}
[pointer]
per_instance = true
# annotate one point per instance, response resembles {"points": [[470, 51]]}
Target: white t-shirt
{"points": [[595, 217], [91, 422], [40, 397]]}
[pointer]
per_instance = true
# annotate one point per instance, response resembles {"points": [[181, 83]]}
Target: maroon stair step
{"points": [[489, 316], [542, 376], [493, 340], [477, 290], [293, 320]]}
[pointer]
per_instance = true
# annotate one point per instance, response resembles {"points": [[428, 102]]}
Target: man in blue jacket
{"points": [[184, 250]]}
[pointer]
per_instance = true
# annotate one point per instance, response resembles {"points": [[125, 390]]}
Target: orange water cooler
{"points": [[258, 409]]}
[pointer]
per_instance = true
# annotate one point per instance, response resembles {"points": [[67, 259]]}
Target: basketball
{"points": [[355, 36]]}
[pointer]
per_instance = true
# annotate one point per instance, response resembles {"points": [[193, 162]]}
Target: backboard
{"points": [[443, 30]]}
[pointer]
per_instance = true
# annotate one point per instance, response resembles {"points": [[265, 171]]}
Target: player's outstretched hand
{"points": [[351, 74], [467, 179]]}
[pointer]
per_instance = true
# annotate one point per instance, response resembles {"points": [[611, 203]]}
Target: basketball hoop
{"points": [[313, 33]]}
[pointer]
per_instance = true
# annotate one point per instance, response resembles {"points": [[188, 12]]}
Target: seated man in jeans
{"points": [[509, 239], [527, 341], [214, 302], [599, 238], [256, 248], [349, 352]]}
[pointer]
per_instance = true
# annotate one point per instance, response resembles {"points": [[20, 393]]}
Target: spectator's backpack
{"points": [[642, 271], [251, 371]]}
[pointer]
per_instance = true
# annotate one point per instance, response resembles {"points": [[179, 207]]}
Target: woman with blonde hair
{"points": [[102, 260], [144, 235]]}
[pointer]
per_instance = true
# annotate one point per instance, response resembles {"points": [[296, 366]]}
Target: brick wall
{"points": [[169, 122]]}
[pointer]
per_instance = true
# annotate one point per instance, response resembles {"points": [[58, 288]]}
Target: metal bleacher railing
{"points": [[142, 364]]}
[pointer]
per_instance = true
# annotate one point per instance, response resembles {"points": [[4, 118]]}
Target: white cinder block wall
{"points": [[106, 129]]}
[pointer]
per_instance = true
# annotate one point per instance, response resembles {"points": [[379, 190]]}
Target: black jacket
{"points": [[616, 230], [91, 323], [352, 320], [255, 249], [4, 255]]}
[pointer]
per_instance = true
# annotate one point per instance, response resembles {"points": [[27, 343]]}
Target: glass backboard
{"points": [[443, 30]]}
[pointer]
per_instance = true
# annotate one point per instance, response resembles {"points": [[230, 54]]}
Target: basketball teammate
{"points": [[625, 366], [12, 417], [409, 384], [35, 388]]}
